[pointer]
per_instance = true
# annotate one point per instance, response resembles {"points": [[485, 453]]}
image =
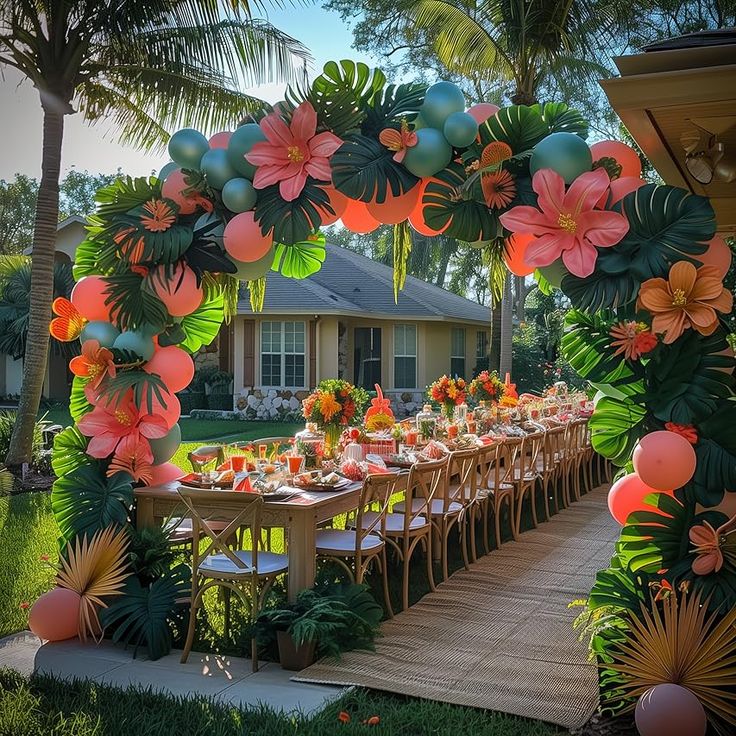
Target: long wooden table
{"points": [[299, 516]]}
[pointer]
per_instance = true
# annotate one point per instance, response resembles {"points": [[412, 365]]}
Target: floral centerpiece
{"points": [[448, 393], [334, 405], [486, 386]]}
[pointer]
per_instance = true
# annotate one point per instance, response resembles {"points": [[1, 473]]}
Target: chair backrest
{"points": [[427, 481], [552, 448], [378, 489], [200, 507], [531, 445], [498, 464], [579, 432], [464, 468], [207, 453]]}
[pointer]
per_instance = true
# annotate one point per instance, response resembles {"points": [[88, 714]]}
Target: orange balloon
{"points": [[395, 209], [357, 219], [179, 292], [88, 296], [718, 255], [169, 408], [625, 156], [55, 615], [172, 189], [664, 460], [338, 202], [416, 218], [627, 495], [516, 246], [243, 239], [174, 365]]}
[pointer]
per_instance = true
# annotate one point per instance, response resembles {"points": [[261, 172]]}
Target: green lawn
{"points": [[43, 705]]}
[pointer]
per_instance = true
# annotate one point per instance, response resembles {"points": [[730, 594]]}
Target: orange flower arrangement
{"points": [[94, 363], [632, 339], [334, 404], [499, 188], [689, 298], [486, 386], [448, 393]]}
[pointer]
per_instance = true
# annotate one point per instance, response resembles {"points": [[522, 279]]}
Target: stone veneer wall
{"points": [[405, 403]]}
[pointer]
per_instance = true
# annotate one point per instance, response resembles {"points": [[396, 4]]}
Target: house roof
{"points": [[353, 285]]}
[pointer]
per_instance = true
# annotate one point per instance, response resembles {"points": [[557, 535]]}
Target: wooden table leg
{"points": [[144, 518], [302, 552]]}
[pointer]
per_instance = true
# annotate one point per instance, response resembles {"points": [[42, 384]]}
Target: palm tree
{"points": [[151, 66]]}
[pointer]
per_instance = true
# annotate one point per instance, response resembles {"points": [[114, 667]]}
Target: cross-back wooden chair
{"points": [[526, 476], [249, 573], [495, 483], [576, 454], [363, 541], [211, 452], [548, 466]]}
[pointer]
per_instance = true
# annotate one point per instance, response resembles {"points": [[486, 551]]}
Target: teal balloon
{"points": [[419, 122], [163, 449], [566, 153], [430, 155], [137, 342], [166, 169], [241, 141], [104, 332], [440, 101], [460, 129], [256, 269], [186, 148], [239, 195], [554, 273], [216, 167]]}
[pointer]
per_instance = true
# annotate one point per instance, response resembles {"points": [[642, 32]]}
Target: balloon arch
{"points": [[640, 263]]}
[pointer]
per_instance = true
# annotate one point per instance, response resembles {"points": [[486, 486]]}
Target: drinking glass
{"points": [[295, 463], [262, 452]]}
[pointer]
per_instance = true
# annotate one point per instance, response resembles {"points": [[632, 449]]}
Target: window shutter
{"points": [[249, 353]]}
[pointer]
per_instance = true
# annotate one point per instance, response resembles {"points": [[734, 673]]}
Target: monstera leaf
{"points": [[70, 452], [520, 126], [445, 201], [85, 500], [390, 105], [78, 404], [561, 119], [363, 168], [600, 290], [290, 222], [617, 424], [716, 453], [666, 224], [201, 327], [301, 259], [617, 587]]}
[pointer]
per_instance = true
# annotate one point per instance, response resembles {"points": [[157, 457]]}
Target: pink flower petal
{"points": [[304, 121], [585, 191], [602, 228], [526, 219], [266, 154], [96, 422], [580, 259], [550, 187], [319, 168], [324, 144], [547, 248], [292, 187], [276, 131], [267, 175], [153, 427], [102, 445]]}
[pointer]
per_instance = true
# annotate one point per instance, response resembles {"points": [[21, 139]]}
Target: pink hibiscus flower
{"points": [[292, 152], [566, 223], [107, 425]]}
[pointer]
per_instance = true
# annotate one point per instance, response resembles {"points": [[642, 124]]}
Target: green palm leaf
{"points": [[617, 425], [70, 452], [291, 222], [300, 260], [202, 327]]}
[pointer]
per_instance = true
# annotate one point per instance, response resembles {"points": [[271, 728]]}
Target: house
{"points": [[343, 322]]}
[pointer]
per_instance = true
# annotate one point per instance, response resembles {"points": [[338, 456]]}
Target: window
{"points": [[282, 354], [405, 356], [457, 352], [481, 344]]}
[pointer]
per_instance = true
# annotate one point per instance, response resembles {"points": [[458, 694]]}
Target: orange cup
{"points": [[238, 463], [262, 450], [295, 463], [452, 431]]}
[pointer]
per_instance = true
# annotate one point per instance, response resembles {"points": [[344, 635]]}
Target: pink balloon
{"points": [[625, 156], [220, 140], [173, 188], [670, 710], [88, 296], [627, 495], [625, 185], [718, 255], [243, 238], [664, 460], [179, 292], [165, 473], [482, 111], [174, 365], [55, 615], [170, 412]]}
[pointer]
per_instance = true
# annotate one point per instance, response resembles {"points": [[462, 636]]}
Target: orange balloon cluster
{"points": [[357, 218], [416, 218], [395, 209], [627, 495]]}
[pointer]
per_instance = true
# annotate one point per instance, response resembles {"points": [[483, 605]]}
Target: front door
{"points": [[367, 357]]}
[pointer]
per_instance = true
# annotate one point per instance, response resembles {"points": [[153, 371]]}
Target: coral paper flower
{"points": [[398, 140], [710, 545], [566, 223], [632, 339], [94, 363], [292, 152], [690, 297], [133, 456], [68, 323], [157, 216], [684, 430], [494, 153], [499, 189]]}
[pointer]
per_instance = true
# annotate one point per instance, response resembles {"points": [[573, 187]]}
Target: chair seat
{"points": [[269, 563], [343, 542], [438, 508], [394, 522]]}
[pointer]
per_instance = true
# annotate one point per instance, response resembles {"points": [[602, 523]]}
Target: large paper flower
{"points": [[566, 223], [133, 456], [712, 545], [292, 152], [690, 297], [94, 363], [68, 323]]}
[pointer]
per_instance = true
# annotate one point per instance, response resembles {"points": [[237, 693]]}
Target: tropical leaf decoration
{"points": [[600, 290], [402, 251], [206, 257], [142, 386], [300, 260], [617, 424], [165, 246], [126, 193], [716, 457], [291, 222], [70, 452], [78, 403], [140, 617], [363, 168], [618, 587], [95, 569], [202, 326], [86, 258], [520, 126], [257, 294], [133, 303], [390, 104], [562, 119], [85, 500]]}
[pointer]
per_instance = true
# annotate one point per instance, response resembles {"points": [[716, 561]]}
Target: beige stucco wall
{"points": [[69, 238], [326, 347]]}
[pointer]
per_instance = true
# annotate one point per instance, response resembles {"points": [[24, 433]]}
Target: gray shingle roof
{"points": [[351, 284]]}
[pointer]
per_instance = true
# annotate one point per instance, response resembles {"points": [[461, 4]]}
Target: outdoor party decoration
{"points": [[334, 405], [448, 393], [55, 615], [486, 386], [627, 495], [379, 414], [670, 710], [664, 460]]}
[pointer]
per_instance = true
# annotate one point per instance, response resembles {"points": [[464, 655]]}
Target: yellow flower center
{"points": [[679, 299], [123, 418], [567, 222], [94, 370], [294, 153]]}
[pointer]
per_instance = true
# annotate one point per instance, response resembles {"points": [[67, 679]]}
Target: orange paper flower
{"points": [[494, 153], [684, 430], [68, 324], [158, 216], [499, 188], [398, 140], [690, 297], [133, 455], [632, 339], [709, 545], [94, 363]]}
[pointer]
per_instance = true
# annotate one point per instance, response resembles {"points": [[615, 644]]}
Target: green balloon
{"points": [[238, 195], [554, 273], [430, 155], [163, 449], [104, 332], [256, 269], [440, 101], [137, 342], [187, 146], [166, 169], [419, 122], [216, 167], [460, 129], [566, 153], [241, 141]]}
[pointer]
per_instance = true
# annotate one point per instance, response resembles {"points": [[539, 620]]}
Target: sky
{"points": [[95, 148]]}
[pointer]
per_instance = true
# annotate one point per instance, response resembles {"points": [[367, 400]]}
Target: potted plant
{"points": [[323, 622]]}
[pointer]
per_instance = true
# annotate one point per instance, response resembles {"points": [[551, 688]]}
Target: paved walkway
{"points": [[228, 680]]}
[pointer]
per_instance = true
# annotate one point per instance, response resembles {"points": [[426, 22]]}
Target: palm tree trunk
{"points": [[507, 324], [42, 286], [494, 351]]}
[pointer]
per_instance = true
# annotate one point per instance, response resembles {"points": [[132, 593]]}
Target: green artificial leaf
{"points": [[140, 617], [446, 200], [78, 404], [616, 425], [666, 225], [257, 293], [617, 587], [562, 119], [206, 257], [520, 126], [291, 222], [600, 290], [172, 335], [86, 259], [544, 286], [85, 500], [363, 168], [70, 452], [202, 327], [300, 260], [716, 468], [402, 251], [133, 303], [144, 387], [125, 193], [166, 246], [390, 105]]}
